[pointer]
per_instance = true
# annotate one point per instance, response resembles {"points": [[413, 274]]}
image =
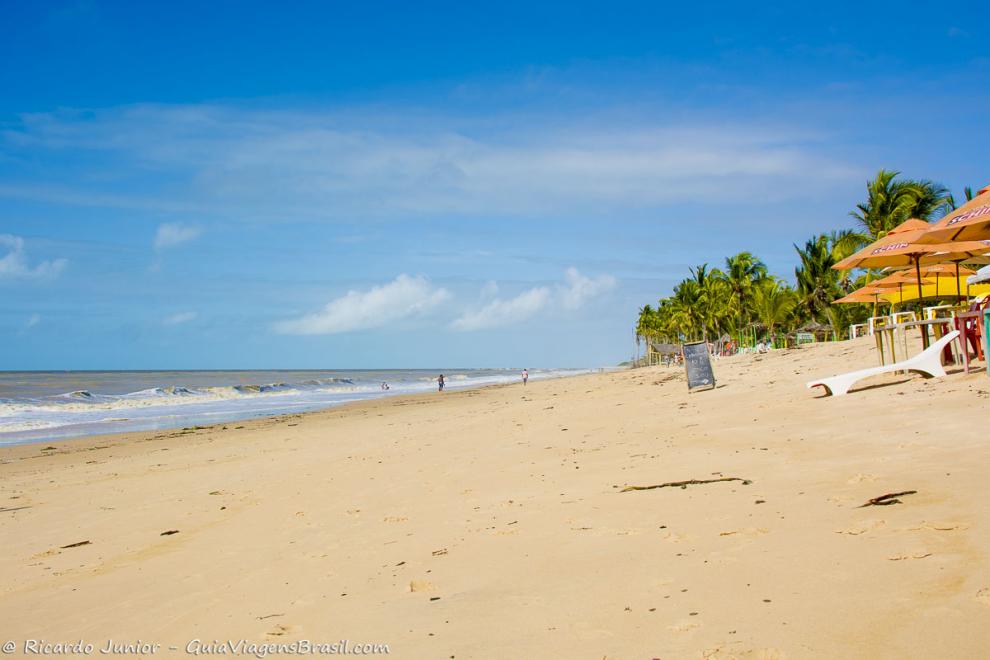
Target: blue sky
{"points": [[224, 185]]}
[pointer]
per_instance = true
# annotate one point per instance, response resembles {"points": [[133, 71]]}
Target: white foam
{"points": [[77, 413]]}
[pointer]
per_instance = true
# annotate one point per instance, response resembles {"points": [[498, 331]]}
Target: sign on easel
{"points": [[698, 365]]}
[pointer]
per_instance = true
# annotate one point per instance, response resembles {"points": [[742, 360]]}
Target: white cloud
{"points": [[499, 313], [180, 317], [32, 321], [14, 264], [171, 234], [382, 305], [576, 291], [580, 289]]}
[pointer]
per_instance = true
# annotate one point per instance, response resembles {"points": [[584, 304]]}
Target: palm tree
{"points": [[716, 305], [773, 303], [741, 272], [891, 201], [817, 282], [931, 200], [686, 308], [951, 202]]}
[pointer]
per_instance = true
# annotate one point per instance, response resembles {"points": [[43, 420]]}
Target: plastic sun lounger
{"points": [[928, 363]]}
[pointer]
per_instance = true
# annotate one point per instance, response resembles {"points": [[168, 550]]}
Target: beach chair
{"points": [[928, 363], [970, 326]]}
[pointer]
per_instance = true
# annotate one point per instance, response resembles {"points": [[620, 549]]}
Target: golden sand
{"points": [[493, 523]]}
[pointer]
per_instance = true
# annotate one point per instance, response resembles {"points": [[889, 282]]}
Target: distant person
{"points": [[525, 376], [440, 382]]}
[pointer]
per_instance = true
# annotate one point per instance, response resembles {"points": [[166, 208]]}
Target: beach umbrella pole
{"points": [[917, 271]]}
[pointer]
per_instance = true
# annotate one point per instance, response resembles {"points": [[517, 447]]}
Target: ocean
{"points": [[39, 406]]}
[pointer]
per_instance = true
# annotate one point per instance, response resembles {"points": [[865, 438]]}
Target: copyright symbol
{"points": [[9, 647]]}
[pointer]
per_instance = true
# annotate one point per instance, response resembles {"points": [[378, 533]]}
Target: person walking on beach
{"points": [[525, 376], [440, 382]]}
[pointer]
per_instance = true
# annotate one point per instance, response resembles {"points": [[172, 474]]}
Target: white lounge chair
{"points": [[928, 363]]}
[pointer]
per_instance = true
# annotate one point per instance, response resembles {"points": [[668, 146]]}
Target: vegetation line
{"points": [[744, 305]]}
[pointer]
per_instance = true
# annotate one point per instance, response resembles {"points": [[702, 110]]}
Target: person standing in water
{"points": [[440, 382], [525, 375]]}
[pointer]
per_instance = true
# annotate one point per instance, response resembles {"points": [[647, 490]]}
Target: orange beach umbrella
{"points": [[866, 294], [971, 221], [940, 270], [901, 248]]}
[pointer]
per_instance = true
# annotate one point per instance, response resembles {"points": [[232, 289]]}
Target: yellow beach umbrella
{"points": [[941, 275], [931, 291], [962, 251], [971, 221], [894, 297], [897, 280], [943, 270]]}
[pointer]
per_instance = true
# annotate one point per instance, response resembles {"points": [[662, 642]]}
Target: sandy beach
{"points": [[492, 523]]}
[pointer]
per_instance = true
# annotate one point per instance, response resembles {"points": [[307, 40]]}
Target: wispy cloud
{"points": [[171, 234], [14, 264], [574, 293], [361, 161], [29, 324], [382, 305], [180, 317]]}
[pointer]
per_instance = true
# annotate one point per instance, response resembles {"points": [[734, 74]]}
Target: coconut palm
{"points": [[890, 201], [687, 308], [967, 192], [818, 284], [773, 303], [741, 272], [716, 308]]}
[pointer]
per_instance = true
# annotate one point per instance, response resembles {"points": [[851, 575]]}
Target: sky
{"points": [[189, 185]]}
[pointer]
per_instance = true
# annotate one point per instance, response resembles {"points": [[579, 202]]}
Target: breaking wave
{"points": [[87, 410]]}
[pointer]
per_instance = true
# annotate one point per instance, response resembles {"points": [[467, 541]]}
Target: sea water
{"points": [[49, 405]]}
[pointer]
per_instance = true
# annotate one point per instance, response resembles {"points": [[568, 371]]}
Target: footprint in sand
{"points": [[421, 585], [920, 554], [723, 653], [685, 625], [749, 531], [675, 537], [395, 519], [860, 478], [864, 527], [282, 629], [939, 527], [983, 596]]}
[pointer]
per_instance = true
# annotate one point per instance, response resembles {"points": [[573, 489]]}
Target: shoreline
{"points": [[196, 420], [430, 523], [94, 441]]}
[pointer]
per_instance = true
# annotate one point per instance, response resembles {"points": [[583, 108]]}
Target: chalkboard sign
{"points": [[698, 364]]}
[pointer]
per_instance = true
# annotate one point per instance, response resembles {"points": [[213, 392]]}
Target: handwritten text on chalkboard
{"points": [[698, 365]]}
